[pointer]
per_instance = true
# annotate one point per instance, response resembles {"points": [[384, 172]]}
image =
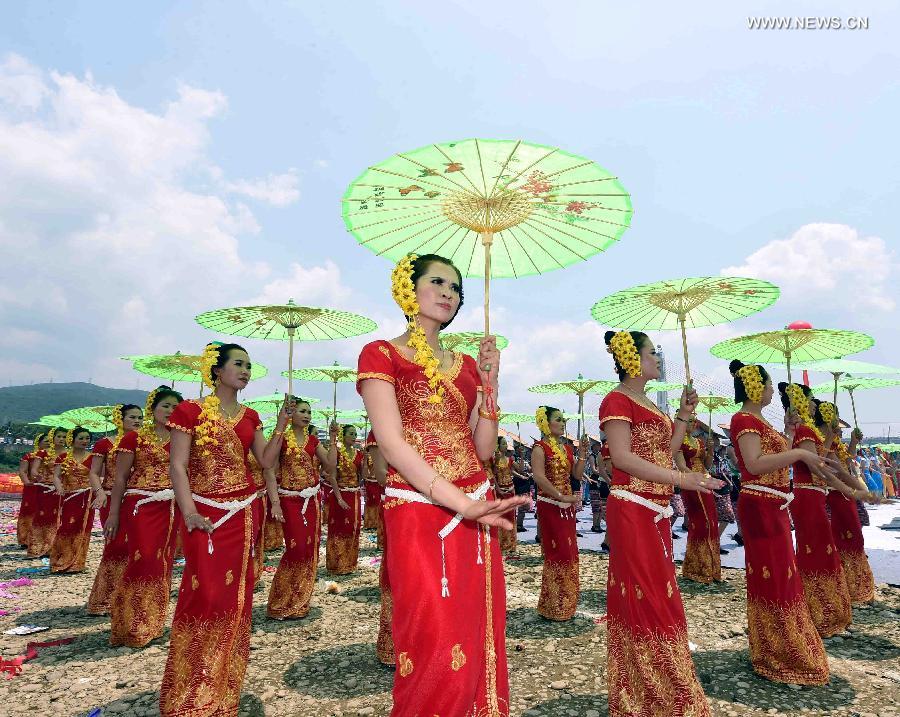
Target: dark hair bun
{"points": [[782, 386], [735, 366], [608, 336]]}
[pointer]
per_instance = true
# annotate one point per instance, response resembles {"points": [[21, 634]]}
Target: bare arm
{"points": [[680, 462], [381, 405], [618, 436], [124, 464], [759, 464], [23, 472], [179, 454], [271, 478], [57, 470], [95, 478], [35, 469]]}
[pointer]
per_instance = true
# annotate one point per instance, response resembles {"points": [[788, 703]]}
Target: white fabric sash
{"points": [[306, 494], [232, 508], [151, 496], [786, 497], [76, 492], [823, 491], [661, 511], [415, 497]]}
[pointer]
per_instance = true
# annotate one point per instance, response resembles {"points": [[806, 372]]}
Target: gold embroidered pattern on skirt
{"points": [[828, 601], [405, 664], [559, 590], [292, 588], [138, 613], [652, 674], [458, 657], [702, 562], [109, 575], [858, 574], [784, 644]]}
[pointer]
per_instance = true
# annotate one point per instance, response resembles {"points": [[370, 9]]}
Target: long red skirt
{"points": [[702, 561], [210, 639], [819, 563], [784, 644], [384, 645], [295, 578], [847, 532], [141, 601], [26, 514], [559, 545], [450, 651], [273, 534], [112, 564], [70, 546], [649, 665], [45, 521], [372, 511], [342, 544]]}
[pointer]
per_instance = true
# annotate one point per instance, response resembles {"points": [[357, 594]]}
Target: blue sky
{"points": [[163, 159]]}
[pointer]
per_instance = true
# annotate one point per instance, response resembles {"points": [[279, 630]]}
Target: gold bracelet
{"points": [[431, 487], [488, 416]]}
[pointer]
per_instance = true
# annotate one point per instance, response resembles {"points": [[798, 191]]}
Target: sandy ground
{"points": [[325, 664]]}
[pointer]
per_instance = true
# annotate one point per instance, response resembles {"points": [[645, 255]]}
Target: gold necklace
{"points": [[639, 399], [228, 415]]}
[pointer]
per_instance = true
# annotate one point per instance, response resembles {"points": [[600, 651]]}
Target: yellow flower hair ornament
{"points": [[37, 440], [800, 404], [625, 352], [829, 414], [290, 440], [543, 424], [51, 440], [69, 435], [343, 453], [404, 293], [752, 380], [147, 428], [210, 410]]}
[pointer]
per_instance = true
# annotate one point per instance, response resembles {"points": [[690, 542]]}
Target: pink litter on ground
{"points": [[18, 583]]}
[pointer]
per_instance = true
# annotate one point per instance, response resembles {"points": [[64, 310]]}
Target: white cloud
{"points": [[821, 261], [279, 190], [114, 243]]}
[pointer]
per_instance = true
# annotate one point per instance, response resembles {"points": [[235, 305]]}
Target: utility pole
{"points": [[662, 397]]}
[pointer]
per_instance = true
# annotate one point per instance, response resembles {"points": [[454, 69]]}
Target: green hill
{"points": [[20, 404]]}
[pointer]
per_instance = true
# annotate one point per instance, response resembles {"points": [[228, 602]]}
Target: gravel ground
{"points": [[325, 664]]}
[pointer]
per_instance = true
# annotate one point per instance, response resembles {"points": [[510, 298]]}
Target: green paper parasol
{"points": [[468, 342], [334, 373], [286, 322], [850, 385], [786, 345], [839, 367], [179, 367], [88, 418], [539, 207], [683, 303], [54, 420], [272, 403], [714, 405], [660, 387], [579, 386]]}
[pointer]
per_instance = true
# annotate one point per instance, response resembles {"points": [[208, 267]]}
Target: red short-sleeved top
{"points": [[770, 440], [439, 432], [27, 458], [299, 470], [74, 474], [690, 449], [802, 475], [557, 472], [348, 469], [225, 471], [106, 450], [45, 472], [651, 435], [150, 470], [370, 440], [604, 452], [503, 471]]}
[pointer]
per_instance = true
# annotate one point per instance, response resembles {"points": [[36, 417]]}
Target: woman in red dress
{"points": [[342, 543], [47, 502], [649, 666], [503, 486], [76, 516], [702, 560], [142, 491], [221, 518], [446, 574], [384, 644], [301, 453], [818, 560], [845, 524], [29, 491], [373, 491], [126, 417], [553, 466], [784, 643]]}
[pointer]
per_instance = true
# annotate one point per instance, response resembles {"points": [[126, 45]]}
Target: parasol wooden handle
{"points": [[684, 347], [487, 238], [290, 361]]}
